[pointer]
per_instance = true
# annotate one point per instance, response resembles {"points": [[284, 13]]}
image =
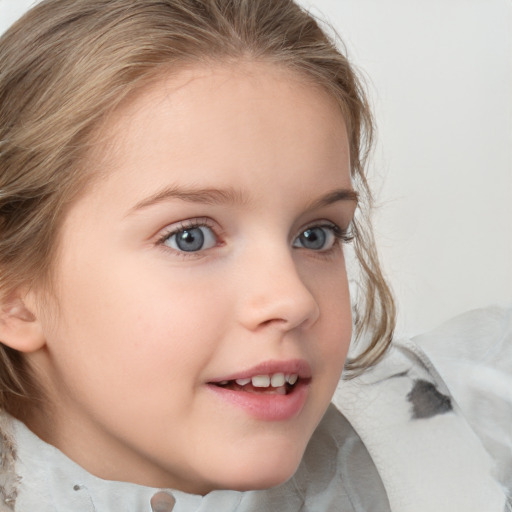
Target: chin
{"points": [[258, 482], [252, 476]]}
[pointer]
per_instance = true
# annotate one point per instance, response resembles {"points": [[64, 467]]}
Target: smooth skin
{"points": [[249, 157]]}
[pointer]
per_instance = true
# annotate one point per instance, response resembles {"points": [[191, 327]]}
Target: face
{"points": [[203, 312]]}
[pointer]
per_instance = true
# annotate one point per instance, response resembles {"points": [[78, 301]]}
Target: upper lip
{"points": [[298, 367]]}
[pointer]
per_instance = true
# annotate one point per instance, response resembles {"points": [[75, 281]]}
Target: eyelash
{"points": [[183, 226], [341, 236], [344, 236]]}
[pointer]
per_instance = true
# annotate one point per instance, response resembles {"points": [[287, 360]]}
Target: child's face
{"points": [[207, 254]]}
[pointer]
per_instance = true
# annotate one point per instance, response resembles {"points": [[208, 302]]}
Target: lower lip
{"points": [[267, 407]]}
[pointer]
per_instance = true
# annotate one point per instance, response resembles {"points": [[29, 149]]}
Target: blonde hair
{"points": [[67, 64]]}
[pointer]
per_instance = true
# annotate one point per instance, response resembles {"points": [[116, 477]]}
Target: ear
{"points": [[20, 329]]}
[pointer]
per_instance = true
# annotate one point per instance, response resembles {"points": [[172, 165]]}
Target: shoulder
{"points": [[8, 478], [427, 454], [473, 354]]}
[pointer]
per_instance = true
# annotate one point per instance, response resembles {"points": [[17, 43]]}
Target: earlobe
{"points": [[20, 329]]}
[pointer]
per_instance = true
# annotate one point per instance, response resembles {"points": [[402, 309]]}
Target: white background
{"points": [[440, 79]]}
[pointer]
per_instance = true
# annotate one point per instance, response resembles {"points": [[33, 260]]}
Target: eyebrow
{"points": [[192, 195], [215, 196], [342, 194]]}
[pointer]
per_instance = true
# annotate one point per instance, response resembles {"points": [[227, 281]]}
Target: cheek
{"points": [[335, 321], [128, 317]]}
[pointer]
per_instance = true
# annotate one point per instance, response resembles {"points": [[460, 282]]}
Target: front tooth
{"points": [[261, 381], [292, 379], [242, 382], [277, 380]]}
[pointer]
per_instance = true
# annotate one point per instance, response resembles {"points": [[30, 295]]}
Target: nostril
{"points": [[276, 295]]}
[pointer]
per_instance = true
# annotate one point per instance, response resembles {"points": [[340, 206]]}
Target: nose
{"points": [[273, 293]]}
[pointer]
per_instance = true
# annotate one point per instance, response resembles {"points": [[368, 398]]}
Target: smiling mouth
{"points": [[276, 384], [270, 391]]}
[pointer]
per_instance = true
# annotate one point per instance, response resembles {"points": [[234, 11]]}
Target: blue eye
{"points": [[317, 238], [191, 239]]}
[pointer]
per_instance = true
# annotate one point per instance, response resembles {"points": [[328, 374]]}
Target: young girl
{"points": [[179, 179]]}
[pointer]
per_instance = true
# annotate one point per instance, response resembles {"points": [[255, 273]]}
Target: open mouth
{"points": [[270, 391], [275, 384]]}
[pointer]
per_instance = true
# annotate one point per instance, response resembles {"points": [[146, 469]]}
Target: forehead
{"points": [[227, 122]]}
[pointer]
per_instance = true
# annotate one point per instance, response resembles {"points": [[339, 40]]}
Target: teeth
{"points": [[292, 379], [261, 381], [277, 380]]}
